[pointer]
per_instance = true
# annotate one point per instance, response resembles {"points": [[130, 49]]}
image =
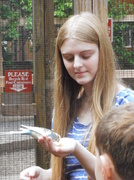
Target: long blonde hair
{"points": [[88, 28]]}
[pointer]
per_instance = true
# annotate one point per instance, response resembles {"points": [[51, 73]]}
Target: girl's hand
{"points": [[60, 149], [35, 173]]}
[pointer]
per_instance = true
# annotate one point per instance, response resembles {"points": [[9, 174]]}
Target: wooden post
{"points": [[38, 60], [39, 73], [1, 69], [98, 7], [82, 5], [43, 23], [49, 58]]}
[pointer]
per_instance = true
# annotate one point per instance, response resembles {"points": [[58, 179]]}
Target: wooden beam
{"points": [[38, 60], [39, 73], [128, 73], [1, 66], [18, 109], [49, 58], [17, 98], [82, 5], [125, 73], [100, 9], [43, 23], [18, 104]]}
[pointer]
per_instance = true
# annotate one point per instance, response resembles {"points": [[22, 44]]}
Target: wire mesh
{"points": [[17, 96], [122, 13], [16, 87]]}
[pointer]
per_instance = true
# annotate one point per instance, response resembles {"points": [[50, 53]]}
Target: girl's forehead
{"points": [[71, 44]]}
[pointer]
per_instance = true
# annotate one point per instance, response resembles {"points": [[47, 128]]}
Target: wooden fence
{"points": [[23, 103]]}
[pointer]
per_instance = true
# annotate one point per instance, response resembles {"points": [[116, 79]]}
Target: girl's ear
{"points": [[107, 167]]}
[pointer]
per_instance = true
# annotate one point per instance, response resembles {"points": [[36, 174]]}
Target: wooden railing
{"points": [[18, 104], [125, 73], [13, 104]]}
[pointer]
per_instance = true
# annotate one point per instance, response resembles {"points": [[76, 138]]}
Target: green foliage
{"points": [[62, 8], [12, 11], [11, 14], [7, 55], [118, 10]]}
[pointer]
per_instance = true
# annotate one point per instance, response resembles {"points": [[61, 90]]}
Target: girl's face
{"points": [[81, 60]]}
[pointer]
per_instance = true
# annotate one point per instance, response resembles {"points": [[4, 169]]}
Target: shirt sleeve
{"points": [[124, 96]]}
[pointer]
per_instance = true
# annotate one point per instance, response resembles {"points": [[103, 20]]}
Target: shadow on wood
{"points": [[18, 104]]}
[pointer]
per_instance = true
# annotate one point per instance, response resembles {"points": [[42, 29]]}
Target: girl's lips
{"points": [[80, 73]]}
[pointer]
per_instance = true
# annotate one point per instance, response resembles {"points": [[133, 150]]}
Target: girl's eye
{"points": [[85, 57], [69, 58]]}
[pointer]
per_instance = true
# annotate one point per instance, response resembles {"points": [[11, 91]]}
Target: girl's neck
{"points": [[87, 98], [88, 90], [84, 109]]}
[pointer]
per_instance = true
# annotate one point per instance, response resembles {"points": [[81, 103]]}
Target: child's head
{"points": [[115, 144], [86, 27]]}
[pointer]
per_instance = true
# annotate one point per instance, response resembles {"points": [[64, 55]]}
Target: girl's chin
{"points": [[82, 82]]}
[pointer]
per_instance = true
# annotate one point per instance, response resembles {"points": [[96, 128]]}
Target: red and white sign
{"points": [[110, 28], [18, 81]]}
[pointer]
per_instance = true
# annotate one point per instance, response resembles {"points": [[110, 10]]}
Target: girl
{"points": [[86, 87]]}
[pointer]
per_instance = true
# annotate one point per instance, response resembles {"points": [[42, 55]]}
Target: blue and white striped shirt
{"points": [[74, 170]]}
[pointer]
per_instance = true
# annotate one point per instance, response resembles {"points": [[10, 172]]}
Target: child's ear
{"points": [[107, 167]]}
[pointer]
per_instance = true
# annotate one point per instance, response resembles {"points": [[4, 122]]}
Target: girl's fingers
{"points": [[44, 141]]}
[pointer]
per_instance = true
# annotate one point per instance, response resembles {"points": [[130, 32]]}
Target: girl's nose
{"points": [[77, 62]]}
